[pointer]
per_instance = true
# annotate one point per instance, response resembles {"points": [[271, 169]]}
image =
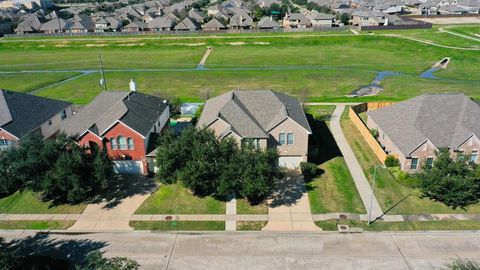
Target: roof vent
{"points": [[133, 85]]}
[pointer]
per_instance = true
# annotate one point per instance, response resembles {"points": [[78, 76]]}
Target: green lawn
{"points": [[176, 199], [334, 190], [331, 225], [468, 30], [28, 202], [26, 82], [244, 207], [36, 224], [388, 189], [250, 225], [321, 113], [179, 225], [188, 84]]}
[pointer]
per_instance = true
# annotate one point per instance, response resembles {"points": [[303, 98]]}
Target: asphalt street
{"points": [[252, 250]]}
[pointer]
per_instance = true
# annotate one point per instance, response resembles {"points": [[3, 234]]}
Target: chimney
{"points": [[133, 85]]}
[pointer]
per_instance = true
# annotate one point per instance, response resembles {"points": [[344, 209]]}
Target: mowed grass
{"points": [[468, 30], [251, 225], [331, 225], [178, 225], [388, 190], [334, 190], [188, 84], [36, 224], [245, 208], [176, 199], [28, 202], [26, 82]]}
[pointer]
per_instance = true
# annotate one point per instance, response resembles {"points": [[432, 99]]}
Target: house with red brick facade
{"points": [[415, 129], [127, 124], [23, 114]]}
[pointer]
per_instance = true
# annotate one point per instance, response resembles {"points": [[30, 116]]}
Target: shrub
{"points": [[374, 133], [391, 161], [309, 170]]}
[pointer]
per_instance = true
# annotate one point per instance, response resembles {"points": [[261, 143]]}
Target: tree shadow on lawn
{"points": [[289, 189], [322, 146], [123, 186], [40, 251]]}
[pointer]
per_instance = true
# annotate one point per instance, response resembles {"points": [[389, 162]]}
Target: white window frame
{"points": [[472, 155], [426, 162], [284, 138], [113, 143], [416, 164], [292, 138], [130, 143], [121, 146]]}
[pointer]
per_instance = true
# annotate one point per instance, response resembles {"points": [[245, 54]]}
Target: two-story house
{"points": [[262, 118]]}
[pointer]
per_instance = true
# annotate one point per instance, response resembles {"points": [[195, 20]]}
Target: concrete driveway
{"points": [[113, 210], [289, 207]]}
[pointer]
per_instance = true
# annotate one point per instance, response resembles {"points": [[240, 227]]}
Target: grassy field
{"points": [[178, 225], [245, 208], [388, 189], [331, 225], [176, 199], [468, 30], [251, 225], [328, 64], [36, 225], [28, 202], [26, 82]]}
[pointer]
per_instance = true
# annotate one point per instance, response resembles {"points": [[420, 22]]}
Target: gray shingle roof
{"points": [[187, 24], [446, 120], [252, 114], [213, 24], [268, 22], [136, 110], [21, 113]]}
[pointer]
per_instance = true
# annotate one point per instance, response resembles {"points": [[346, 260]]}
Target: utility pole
{"points": [[103, 82]]}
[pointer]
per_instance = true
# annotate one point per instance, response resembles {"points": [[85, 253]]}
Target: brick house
{"points": [[415, 129], [262, 118], [23, 114], [126, 123]]}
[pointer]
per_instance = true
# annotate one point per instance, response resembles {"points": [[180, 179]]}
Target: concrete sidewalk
{"points": [[363, 187]]}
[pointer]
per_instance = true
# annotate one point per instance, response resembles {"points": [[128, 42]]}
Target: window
{"points": [[131, 146], [122, 143], [429, 162], [414, 164], [254, 143], [281, 138], [64, 114], [290, 138], [4, 143], [474, 156], [113, 143]]}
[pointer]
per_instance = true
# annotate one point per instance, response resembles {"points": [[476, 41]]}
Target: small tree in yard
{"points": [[453, 182], [345, 18], [391, 161]]}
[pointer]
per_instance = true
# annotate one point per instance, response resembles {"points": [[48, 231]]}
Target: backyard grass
{"points": [[26, 82], [245, 208], [388, 190], [331, 225], [178, 225], [28, 202], [320, 113], [251, 225], [176, 199], [36, 224], [334, 190]]}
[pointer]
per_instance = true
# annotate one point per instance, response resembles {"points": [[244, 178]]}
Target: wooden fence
{"points": [[362, 127]]}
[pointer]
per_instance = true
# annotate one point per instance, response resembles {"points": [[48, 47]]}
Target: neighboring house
{"points": [[264, 119], [390, 6], [57, 25], [296, 20], [471, 6], [23, 114], [267, 3], [366, 17], [321, 19], [240, 21], [81, 24], [135, 26], [268, 23], [161, 24], [213, 25], [187, 24], [31, 24], [126, 123], [196, 15], [414, 129], [452, 9]]}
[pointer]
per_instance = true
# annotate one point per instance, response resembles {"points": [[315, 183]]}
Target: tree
{"points": [[168, 159], [391, 161], [454, 182], [102, 168], [309, 170], [345, 18], [95, 260], [175, 104]]}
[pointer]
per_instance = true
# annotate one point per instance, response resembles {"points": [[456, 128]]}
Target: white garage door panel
{"points": [[127, 166], [290, 162]]}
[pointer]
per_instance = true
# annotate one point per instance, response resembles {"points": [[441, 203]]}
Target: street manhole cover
{"points": [[343, 227], [343, 216], [168, 218]]}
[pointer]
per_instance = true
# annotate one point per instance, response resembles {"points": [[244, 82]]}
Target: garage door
{"points": [[290, 162], [127, 166]]}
